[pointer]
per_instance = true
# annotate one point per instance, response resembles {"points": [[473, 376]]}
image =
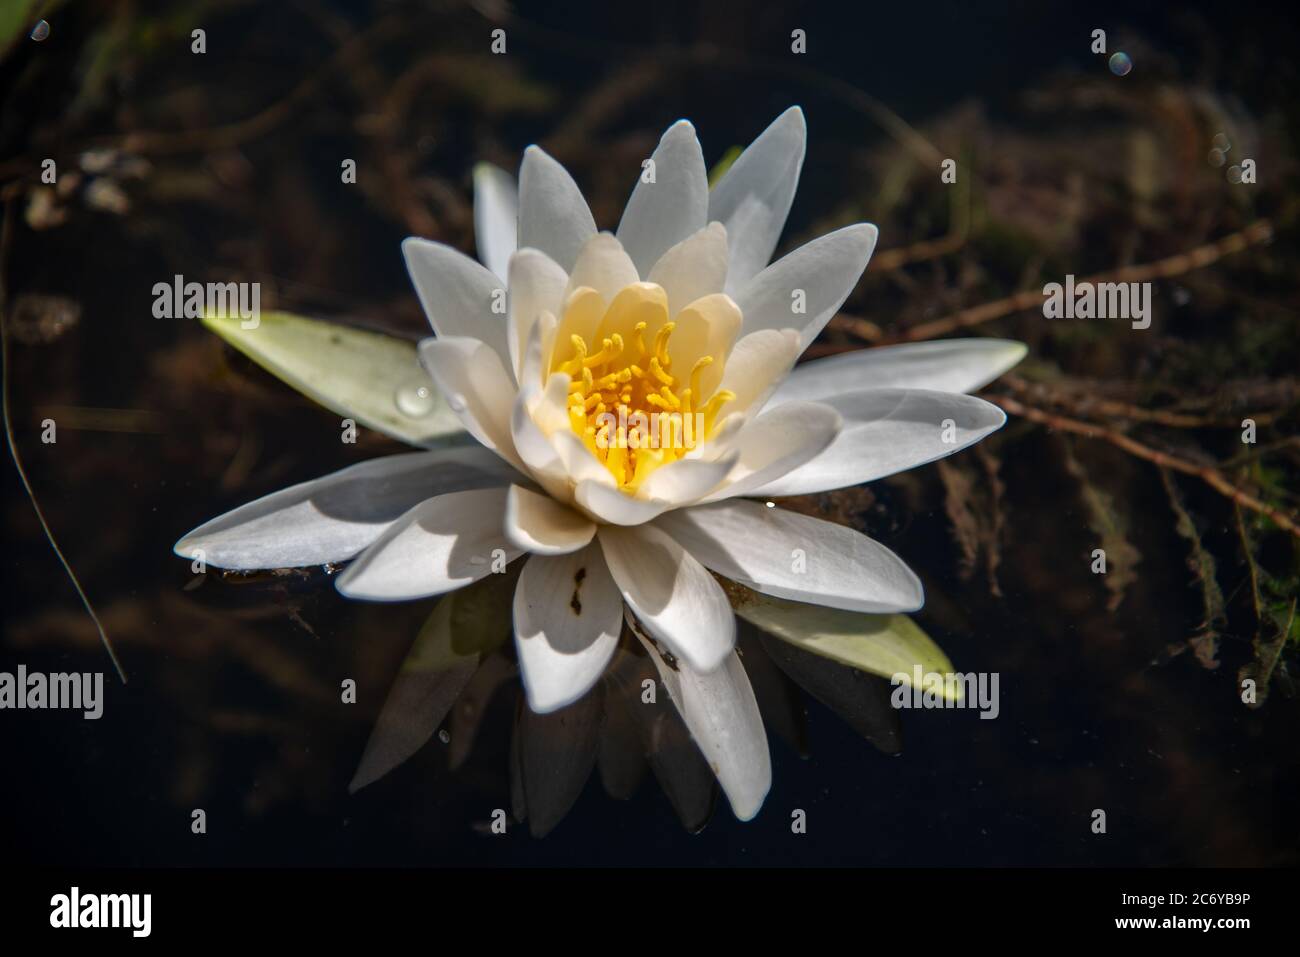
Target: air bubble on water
{"points": [[444, 737], [1234, 174], [1216, 157], [40, 31], [415, 400], [1120, 63], [1220, 142]]}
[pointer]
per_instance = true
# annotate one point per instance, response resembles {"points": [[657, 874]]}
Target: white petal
{"points": [[753, 197], [706, 327], [824, 270], [436, 547], [604, 502], [457, 293], [530, 373], [496, 216], [757, 365], [686, 480], [694, 268], [477, 388], [331, 519], [568, 616], [579, 464], [663, 213], [722, 714], [673, 597], [602, 265], [887, 431], [539, 524], [553, 216], [536, 286], [779, 552], [538, 453], [949, 365], [777, 442]]}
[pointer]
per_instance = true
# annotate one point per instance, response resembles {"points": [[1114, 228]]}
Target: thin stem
{"points": [[6, 235]]}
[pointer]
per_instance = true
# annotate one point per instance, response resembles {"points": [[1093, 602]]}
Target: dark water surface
{"points": [[233, 704]]}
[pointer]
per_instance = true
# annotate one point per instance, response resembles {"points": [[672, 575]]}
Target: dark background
{"points": [[232, 704]]}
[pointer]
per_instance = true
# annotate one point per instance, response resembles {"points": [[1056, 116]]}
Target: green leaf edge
{"points": [[438, 428]]}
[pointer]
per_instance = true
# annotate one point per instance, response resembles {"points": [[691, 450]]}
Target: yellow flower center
{"points": [[643, 390]]}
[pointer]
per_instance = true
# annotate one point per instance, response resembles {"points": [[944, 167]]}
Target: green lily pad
{"points": [[884, 645], [372, 378]]}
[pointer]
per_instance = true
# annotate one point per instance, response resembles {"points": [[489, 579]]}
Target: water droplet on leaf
{"points": [[414, 400]]}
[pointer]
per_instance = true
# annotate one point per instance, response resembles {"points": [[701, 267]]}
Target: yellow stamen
{"points": [[623, 400]]}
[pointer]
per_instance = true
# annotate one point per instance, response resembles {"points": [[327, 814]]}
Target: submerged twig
{"points": [[6, 236], [1088, 406], [1257, 232], [1210, 476]]}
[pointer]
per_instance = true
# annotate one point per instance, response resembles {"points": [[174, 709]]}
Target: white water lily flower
{"points": [[676, 315]]}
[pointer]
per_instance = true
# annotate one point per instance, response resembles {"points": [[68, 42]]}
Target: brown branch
{"points": [[1257, 232], [1123, 410], [1211, 477]]}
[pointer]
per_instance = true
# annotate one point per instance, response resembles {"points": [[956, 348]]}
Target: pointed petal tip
{"points": [[543, 701], [413, 249], [1015, 348], [869, 232], [184, 543], [748, 810], [793, 115]]}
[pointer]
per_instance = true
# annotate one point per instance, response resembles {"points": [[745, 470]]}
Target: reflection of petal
{"points": [[428, 684], [859, 699], [472, 706], [621, 757], [674, 757], [779, 699], [556, 754], [518, 803]]}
